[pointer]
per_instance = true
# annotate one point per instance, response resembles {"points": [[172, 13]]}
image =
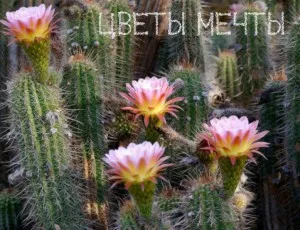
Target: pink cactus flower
{"points": [[136, 164], [149, 97], [29, 24], [233, 137]]}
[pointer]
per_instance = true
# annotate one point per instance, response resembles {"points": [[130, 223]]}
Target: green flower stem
{"points": [[152, 133], [231, 174], [143, 197], [39, 55]]}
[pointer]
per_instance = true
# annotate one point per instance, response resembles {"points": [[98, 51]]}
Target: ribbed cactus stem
{"points": [[123, 43], [84, 35], [39, 55], [228, 74], [194, 108], [81, 88], [10, 207], [293, 103], [187, 47], [143, 195], [41, 133], [253, 57], [204, 208], [231, 174]]}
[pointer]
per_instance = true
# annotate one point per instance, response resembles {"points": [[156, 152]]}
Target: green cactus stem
{"points": [[10, 207], [228, 75], [194, 108], [190, 46], [231, 174], [81, 89], [203, 208], [293, 104], [39, 55], [253, 57], [39, 127], [143, 196]]}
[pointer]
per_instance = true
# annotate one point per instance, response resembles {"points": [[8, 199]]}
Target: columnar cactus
{"points": [[293, 103], [187, 47], [203, 208], [84, 36], [10, 208], [81, 89], [272, 176], [228, 75], [253, 57], [39, 127], [123, 43], [194, 107]]}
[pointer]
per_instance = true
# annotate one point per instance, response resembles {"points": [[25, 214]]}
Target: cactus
{"points": [[291, 10], [84, 35], [190, 46], [128, 219], [81, 89], [203, 208], [228, 75], [253, 57], [272, 119], [10, 207], [123, 43], [168, 199], [194, 108], [271, 173], [293, 104], [38, 126]]}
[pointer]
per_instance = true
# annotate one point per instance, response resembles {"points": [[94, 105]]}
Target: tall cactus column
{"points": [[38, 125], [293, 103], [81, 89], [253, 57]]}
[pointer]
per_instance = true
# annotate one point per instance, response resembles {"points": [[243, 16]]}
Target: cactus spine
{"points": [[38, 126], [253, 57], [228, 75], [81, 89], [194, 108], [9, 211], [293, 103]]}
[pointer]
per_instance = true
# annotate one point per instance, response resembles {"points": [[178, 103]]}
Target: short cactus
{"points": [[203, 208], [10, 208], [128, 219], [228, 75], [194, 107], [81, 89], [253, 56], [39, 127]]}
